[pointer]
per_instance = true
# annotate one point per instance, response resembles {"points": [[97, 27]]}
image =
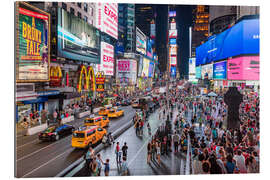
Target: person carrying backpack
{"points": [[124, 150]]}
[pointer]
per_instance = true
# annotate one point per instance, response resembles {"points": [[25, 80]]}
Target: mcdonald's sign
{"points": [[55, 76], [89, 74], [100, 81]]}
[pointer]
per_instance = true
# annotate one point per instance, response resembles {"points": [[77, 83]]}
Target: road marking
{"points": [[46, 163], [26, 144], [38, 151]]}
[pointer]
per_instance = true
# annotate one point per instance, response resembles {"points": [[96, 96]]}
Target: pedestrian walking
{"points": [[107, 167], [99, 162], [124, 150], [158, 146], [149, 129], [118, 154], [149, 152], [176, 139], [124, 167]]}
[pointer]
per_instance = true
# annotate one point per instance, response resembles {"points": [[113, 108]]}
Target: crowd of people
{"points": [[201, 122]]}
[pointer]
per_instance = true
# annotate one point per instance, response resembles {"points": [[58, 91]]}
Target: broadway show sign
{"points": [[33, 46]]}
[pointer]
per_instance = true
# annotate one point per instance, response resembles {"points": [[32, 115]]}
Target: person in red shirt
{"points": [[117, 152]]}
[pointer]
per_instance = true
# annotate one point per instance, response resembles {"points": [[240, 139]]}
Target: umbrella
{"points": [[212, 94]]}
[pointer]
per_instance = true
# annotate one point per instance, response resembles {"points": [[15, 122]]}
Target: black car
{"points": [[54, 133]]}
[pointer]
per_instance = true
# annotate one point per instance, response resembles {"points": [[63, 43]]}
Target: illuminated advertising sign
{"points": [[33, 45], [173, 33], [145, 67], [151, 69], [173, 60], [173, 41], [173, 50], [77, 39], [173, 71], [172, 13], [173, 25], [127, 71], [220, 70], [140, 66], [242, 38], [149, 48], [140, 41], [152, 30], [192, 69], [107, 59], [244, 68], [198, 72], [107, 18], [207, 71]]}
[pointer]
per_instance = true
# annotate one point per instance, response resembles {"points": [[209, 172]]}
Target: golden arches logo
{"points": [[100, 74], [88, 73], [55, 71]]}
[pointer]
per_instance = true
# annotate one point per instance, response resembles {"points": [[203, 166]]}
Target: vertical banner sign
{"points": [[107, 59], [100, 81], [107, 18], [152, 29], [33, 46]]}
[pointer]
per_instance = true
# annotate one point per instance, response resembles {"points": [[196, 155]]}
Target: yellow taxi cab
{"points": [[115, 112], [86, 135], [103, 111], [97, 121]]}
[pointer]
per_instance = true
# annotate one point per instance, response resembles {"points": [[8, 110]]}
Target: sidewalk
{"points": [[137, 154]]}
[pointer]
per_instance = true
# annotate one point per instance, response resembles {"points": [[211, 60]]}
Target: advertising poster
{"points": [[152, 30], [192, 69], [127, 71], [107, 18], [173, 33], [33, 44], [207, 71], [145, 67], [173, 60], [140, 66], [77, 39], [220, 70], [198, 72], [107, 59], [149, 48], [172, 13], [140, 41], [151, 69], [173, 41], [244, 68], [173, 50], [173, 71], [173, 25]]}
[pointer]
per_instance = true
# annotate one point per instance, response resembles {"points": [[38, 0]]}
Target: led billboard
{"points": [[107, 59], [77, 39], [241, 39], [107, 18], [33, 45], [244, 68], [140, 41], [220, 70]]}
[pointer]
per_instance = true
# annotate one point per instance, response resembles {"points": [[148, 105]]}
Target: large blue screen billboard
{"points": [[242, 38]]}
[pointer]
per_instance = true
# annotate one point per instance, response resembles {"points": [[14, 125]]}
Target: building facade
{"points": [[200, 26]]}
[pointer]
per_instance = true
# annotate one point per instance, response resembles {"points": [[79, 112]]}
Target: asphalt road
{"points": [[46, 159]]}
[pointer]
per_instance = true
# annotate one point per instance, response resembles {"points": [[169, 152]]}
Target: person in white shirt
{"points": [[240, 161]]}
